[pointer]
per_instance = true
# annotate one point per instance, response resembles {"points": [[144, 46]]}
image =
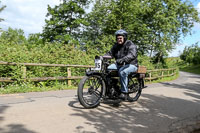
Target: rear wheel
{"points": [[90, 91], [134, 89]]}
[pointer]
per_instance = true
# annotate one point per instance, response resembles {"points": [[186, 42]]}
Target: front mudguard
{"points": [[89, 73]]}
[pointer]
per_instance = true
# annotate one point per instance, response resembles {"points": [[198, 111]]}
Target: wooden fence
{"points": [[160, 73]]}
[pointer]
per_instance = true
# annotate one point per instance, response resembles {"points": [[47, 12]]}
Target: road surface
{"points": [[163, 107]]}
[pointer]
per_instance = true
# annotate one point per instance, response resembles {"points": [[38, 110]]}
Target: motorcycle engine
{"points": [[115, 89]]}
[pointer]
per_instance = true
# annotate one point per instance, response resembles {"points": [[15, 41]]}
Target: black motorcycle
{"points": [[101, 84]]}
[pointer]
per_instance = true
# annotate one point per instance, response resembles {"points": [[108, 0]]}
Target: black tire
{"points": [[90, 91], [135, 89]]}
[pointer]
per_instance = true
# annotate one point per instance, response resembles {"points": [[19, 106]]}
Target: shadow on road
{"points": [[150, 114], [2, 109], [11, 128], [75, 104], [190, 89]]}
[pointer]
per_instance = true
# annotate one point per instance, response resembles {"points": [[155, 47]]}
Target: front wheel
{"points": [[90, 91]]}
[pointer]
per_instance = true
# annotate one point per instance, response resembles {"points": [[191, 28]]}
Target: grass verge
{"points": [[31, 87], [192, 69]]}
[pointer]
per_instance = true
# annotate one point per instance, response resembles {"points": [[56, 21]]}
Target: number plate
{"points": [[98, 63]]}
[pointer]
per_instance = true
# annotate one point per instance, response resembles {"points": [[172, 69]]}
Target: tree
{"points": [[154, 25], [65, 21], [13, 36], [191, 54]]}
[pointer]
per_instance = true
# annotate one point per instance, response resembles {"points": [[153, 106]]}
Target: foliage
{"points": [[191, 68], [64, 21], [15, 47], [190, 59], [155, 26], [191, 54], [173, 62], [13, 36]]}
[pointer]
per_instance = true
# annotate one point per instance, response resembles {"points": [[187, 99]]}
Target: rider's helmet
{"points": [[121, 32]]}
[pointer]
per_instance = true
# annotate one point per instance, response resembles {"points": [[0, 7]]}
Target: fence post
{"points": [[173, 71], [69, 74], [150, 76], [162, 74], [168, 72], [23, 72]]}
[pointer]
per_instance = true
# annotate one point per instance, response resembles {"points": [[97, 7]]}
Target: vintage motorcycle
{"points": [[101, 84]]}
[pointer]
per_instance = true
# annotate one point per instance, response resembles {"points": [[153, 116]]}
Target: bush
{"points": [[191, 54], [15, 47], [33, 50]]}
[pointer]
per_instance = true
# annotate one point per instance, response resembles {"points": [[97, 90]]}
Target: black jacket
{"points": [[127, 52]]}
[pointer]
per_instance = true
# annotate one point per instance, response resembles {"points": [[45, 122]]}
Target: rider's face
{"points": [[120, 40]]}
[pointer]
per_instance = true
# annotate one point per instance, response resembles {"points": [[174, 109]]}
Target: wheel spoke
{"points": [[96, 94], [96, 83], [93, 83], [99, 83]]}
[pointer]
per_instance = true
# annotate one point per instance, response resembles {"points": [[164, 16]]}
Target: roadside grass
{"points": [[31, 87], [192, 69]]}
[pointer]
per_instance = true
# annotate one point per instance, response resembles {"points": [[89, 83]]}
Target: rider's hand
{"points": [[119, 61]]}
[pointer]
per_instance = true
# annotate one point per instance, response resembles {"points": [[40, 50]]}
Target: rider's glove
{"points": [[119, 61]]}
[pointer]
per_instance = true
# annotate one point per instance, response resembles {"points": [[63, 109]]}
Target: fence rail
{"points": [[160, 73]]}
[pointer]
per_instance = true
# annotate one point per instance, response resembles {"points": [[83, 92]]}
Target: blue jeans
{"points": [[123, 73]]}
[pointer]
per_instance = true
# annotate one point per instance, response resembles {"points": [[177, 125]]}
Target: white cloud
{"points": [[28, 15], [198, 7]]}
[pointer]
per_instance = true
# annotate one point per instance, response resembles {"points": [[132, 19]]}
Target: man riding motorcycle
{"points": [[125, 53]]}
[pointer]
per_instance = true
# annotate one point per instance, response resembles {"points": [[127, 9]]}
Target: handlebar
{"points": [[107, 57], [103, 57]]}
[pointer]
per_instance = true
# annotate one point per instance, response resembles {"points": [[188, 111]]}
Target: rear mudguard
{"points": [[141, 77]]}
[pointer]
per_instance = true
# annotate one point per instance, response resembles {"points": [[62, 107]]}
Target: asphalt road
{"points": [[163, 107]]}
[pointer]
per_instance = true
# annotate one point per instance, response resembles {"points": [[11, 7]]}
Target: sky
{"points": [[189, 39], [29, 15]]}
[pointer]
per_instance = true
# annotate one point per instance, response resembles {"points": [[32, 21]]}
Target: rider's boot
{"points": [[122, 96], [125, 97]]}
